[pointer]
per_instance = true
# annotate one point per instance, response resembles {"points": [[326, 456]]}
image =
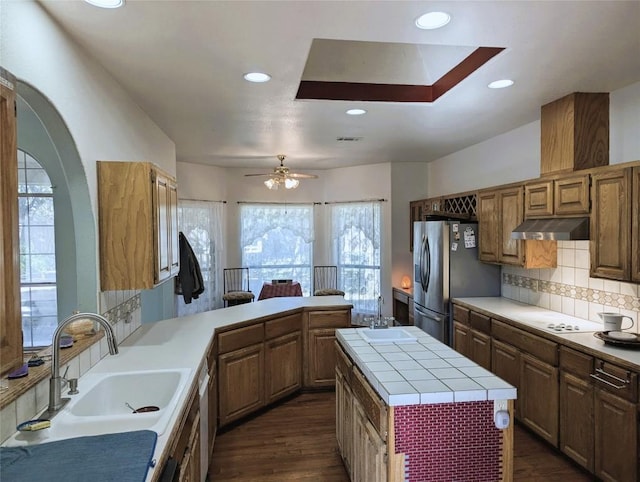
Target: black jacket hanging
{"points": [[189, 282]]}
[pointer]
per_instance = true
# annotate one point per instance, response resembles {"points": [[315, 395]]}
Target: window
{"points": [[355, 234], [37, 253], [201, 224], [277, 243]]}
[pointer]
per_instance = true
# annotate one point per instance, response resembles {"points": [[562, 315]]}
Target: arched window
{"points": [[37, 253]]}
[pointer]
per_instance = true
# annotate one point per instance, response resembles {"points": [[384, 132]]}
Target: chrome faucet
{"points": [[380, 301], [56, 383]]}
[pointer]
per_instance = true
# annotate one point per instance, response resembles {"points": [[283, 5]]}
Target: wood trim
{"points": [[635, 225], [395, 462], [370, 92], [507, 446]]}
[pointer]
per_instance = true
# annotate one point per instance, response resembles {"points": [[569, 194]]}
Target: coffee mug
{"points": [[613, 321]]}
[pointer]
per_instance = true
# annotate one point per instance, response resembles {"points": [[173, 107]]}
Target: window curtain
{"points": [[356, 251], [201, 223], [277, 243]]}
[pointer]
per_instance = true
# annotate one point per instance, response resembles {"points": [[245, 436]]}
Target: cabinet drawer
{"points": [[480, 322], [372, 405], [282, 326], [240, 337], [541, 348], [617, 380], [461, 314], [329, 319], [575, 362]]}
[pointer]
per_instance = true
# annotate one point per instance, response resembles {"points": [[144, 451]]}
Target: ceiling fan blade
{"points": [[299, 175], [262, 175]]}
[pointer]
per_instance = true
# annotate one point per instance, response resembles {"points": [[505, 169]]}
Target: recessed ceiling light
{"points": [[106, 3], [257, 77], [500, 84], [356, 111], [432, 20]]}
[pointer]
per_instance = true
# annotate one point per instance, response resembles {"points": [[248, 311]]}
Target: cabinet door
{"points": [[576, 419], [611, 225], [538, 199], [505, 363], [461, 338], [539, 397], [10, 317], [174, 255], [488, 226], [322, 357], [571, 196], [415, 214], [283, 363], [241, 382], [635, 227], [375, 466], [344, 420], [358, 459], [511, 215], [616, 432], [480, 348], [212, 427]]}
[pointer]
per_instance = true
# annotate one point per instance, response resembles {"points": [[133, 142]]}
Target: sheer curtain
{"points": [[201, 223], [355, 236]]}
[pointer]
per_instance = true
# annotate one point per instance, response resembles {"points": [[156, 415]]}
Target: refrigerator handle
{"points": [[428, 315], [421, 263], [427, 251]]}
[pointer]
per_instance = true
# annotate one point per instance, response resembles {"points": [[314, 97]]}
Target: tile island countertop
{"points": [[422, 372]]}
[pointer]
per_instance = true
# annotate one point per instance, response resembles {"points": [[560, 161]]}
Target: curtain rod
{"points": [[202, 200], [360, 201], [279, 203]]}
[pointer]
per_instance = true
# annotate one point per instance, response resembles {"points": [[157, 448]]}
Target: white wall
{"points": [[515, 155], [103, 119]]}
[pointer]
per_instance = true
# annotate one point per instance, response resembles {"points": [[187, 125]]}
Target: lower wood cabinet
{"points": [[538, 392], [480, 348], [320, 358], [369, 449], [184, 453], [283, 363], [461, 338], [241, 378], [505, 363], [576, 419]]}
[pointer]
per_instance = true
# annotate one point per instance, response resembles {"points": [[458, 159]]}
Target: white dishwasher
{"points": [[203, 394]]}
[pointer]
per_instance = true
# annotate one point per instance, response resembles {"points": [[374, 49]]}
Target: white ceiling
{"points": [[183, 61]]}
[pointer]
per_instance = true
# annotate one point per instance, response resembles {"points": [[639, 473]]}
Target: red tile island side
{"points": [[447, 442]]}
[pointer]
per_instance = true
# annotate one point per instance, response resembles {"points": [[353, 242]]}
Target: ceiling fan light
{"points": [[291, 183], [271, 184]]}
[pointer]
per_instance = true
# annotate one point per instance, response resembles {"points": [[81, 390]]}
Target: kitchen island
{"points": [[418, 410], [193, 346]]}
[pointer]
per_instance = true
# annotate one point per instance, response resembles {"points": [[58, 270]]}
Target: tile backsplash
{"points": [[123, 311], [568, 288]]}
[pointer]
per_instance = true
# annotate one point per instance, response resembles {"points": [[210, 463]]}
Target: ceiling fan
{"points": [[281, 175]]}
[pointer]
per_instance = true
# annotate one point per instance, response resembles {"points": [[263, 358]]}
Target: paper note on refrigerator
{"points": [[469, 238]]}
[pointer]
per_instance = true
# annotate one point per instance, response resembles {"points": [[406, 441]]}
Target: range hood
{"points": [[565, 229]]}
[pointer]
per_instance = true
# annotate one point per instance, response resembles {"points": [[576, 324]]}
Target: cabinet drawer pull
{"points": [[600, 371]]}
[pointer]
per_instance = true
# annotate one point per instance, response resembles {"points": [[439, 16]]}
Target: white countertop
{"points": [[424, 372], [180, 343], [533, 316]]}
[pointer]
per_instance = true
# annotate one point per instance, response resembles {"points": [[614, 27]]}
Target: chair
{"points": [[325, 281], [236, 287]]}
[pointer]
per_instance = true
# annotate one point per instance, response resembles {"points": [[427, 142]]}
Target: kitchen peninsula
{"points": [[253, 354], [415, 409]]}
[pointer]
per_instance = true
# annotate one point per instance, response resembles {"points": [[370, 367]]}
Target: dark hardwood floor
{"points": [[295, 441]]}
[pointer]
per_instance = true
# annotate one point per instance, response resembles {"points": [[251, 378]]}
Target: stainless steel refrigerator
{"points": [[446, 266]]}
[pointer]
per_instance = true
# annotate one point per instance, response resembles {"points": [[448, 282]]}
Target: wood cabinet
{"points": [[138, 213], [403, 307], [505, 363], [500, 211], [480, 348], [320, 358], [10, 316], [610, 228], [539, 397], [212, 401], [283, 357], [635, 226], [240, 372], [416, 212], [185, 446], [567, 196], [461, 338], [575, 133], [471, 335], [361, 423]]}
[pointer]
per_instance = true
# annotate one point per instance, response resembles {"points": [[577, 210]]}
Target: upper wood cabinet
{"points": [[138, 214], [10, 317], [610, 228], [635, 226], [574, 133], [559, 197]]}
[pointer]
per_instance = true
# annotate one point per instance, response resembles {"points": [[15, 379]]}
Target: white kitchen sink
{"points": [[386, 335]]}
